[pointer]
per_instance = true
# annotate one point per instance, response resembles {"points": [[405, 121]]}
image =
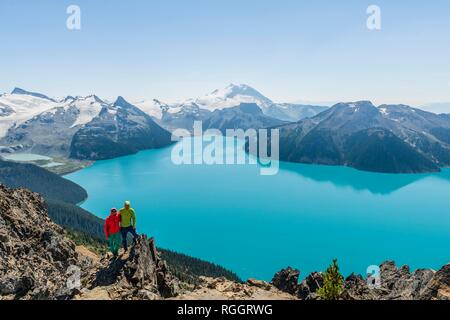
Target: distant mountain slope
{"points": [[78, 127], [19, 106], [427, 132], [33, 94], [75, 218], [245, 116], [61, 196], [49, 185], [380, 150], [51, 132], [393, 139], [153, 108], [181, 115], [231, 96], [119, 129], [293, 112]]}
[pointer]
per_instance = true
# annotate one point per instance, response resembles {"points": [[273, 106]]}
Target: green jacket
{"points": [[127, 218]]}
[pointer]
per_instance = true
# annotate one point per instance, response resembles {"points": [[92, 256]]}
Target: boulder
{"points": [[309, 286], [287, 280], [438, 287], [259, 284]]}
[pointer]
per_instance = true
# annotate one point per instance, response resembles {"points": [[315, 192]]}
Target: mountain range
{"points": [[85, 128], [88, 128], [119, 129], [390, 138], [183, 114]]}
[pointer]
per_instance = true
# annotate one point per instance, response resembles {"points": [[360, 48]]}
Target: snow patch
{"points": [[25, 107], [88, 109], [384, 111], [151, 107], [232, 96]]}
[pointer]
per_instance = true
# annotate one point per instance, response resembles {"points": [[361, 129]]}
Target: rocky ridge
{"points": [[37, 261], [396, 284]]}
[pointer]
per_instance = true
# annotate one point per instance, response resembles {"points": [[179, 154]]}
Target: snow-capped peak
{"points": [[154, 107], [122, 103], [22, 105], [19, 91], [88, 107], [232, 96]]}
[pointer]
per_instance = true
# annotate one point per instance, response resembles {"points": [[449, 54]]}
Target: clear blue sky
{"points": [[174, 49]]}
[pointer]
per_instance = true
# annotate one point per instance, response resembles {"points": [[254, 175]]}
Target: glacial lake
{"points": [[304, 217]]}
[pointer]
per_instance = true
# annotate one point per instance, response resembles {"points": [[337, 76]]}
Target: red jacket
{"points": [[112, 224]]}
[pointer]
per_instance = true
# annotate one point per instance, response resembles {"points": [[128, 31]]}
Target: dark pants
{"points": [[124, 232]]}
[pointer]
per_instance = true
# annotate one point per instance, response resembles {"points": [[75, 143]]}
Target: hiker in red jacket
{"points": [[112, 231]]}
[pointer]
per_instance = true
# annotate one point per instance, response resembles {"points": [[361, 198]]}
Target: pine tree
{"points": [[333, 283]]}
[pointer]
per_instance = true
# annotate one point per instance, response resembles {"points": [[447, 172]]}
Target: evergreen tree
{"points": [[333, 283]]}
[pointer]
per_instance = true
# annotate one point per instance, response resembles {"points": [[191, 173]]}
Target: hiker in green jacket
{"points": [[127, 224]]}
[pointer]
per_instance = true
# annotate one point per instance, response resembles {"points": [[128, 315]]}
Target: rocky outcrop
{"points": [[34, 254], [307, 290], [138, 274], [37, 261], [401, 284], [439, 286], [396, 284], [287, 280]]}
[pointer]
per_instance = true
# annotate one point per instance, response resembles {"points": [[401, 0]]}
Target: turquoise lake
{"points": [[303, 217]]}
